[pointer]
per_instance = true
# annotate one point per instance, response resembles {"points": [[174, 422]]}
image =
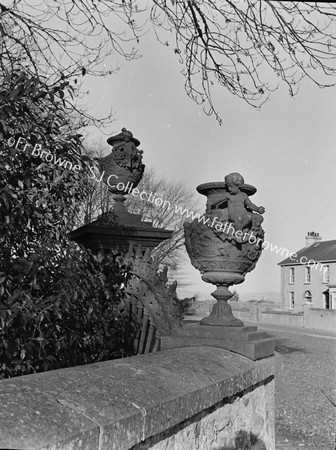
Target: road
{"points": [[305, 389]]}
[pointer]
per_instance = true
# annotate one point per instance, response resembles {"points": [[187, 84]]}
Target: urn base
{"points": [[221, 314], [246, 341]]}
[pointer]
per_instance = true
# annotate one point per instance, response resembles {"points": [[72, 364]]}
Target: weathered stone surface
{"points": [[31, 418], [243, 340], [204, 331], [238, 425], [253, 350], [123, 402]]}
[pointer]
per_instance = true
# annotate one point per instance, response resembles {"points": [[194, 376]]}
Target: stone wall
{"points": [[196, 398], [320, 319], [238, 423], [282, 318]]}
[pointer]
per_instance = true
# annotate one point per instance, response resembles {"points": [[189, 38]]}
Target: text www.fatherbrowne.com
{"points": [[226, 227]]}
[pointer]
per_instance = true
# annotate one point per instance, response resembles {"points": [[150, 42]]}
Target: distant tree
{"points": [[235, 297], [173, 195], [98, 199], [232, 44]]}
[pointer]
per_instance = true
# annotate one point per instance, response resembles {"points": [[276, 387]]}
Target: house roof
{"points": [[321, 251]]}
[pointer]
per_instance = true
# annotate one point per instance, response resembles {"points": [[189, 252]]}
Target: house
{"points": [[309, 275]]}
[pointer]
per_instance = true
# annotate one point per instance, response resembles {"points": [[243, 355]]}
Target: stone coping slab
{"points": [[117, 404]]}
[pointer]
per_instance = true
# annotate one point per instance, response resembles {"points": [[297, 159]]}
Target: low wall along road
{"points": [[198, 398]]}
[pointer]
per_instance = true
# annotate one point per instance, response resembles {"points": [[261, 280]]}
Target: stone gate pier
{"points": [[192, 398]]}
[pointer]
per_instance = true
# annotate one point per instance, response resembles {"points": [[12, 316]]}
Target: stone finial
{"points": [[123, 166], [124, 136]]}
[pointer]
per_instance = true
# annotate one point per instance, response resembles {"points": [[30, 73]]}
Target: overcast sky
{"points": [[286, 150]]}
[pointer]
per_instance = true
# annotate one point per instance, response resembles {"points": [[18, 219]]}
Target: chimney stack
{"points": [[312, 237]]}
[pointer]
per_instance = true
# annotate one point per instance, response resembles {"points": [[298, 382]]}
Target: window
{"points": [[308, 275], [291, 275], [327, 300], [307, 296], [291, 300], [326, 274]]}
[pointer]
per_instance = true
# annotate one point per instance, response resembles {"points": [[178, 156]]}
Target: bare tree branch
{"points": [[248, 47], [233, 43]]}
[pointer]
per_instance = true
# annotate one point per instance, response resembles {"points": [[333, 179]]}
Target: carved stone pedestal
{"points": [[119, 229], [246, 341], [221, 314]]}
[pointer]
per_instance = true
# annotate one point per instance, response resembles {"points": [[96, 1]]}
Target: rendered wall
{"points": [[320, 319], [291, 320]]}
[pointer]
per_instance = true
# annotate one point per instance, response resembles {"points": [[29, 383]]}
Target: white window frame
{"points": [[308, 298], [326, 274], [308, 274], [291, 300], [291, 275]]}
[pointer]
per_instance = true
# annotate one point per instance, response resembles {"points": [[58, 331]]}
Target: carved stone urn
{"points": [[121, 171], [226, 243]]}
